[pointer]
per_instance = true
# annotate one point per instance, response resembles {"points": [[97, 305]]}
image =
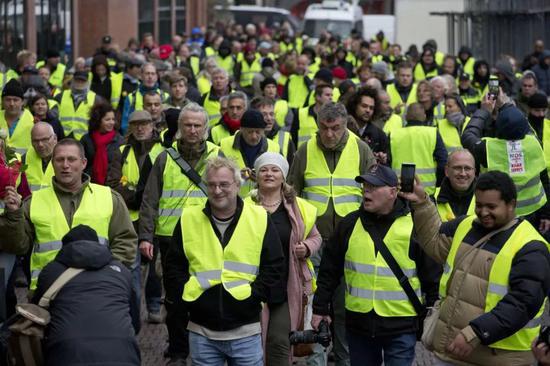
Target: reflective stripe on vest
{"points": [[416, 144], [307, 124], [212, 108], [395, 97], [497, 285], [320, 184], [131, 171], [523, 160], [420, 74], [75, 121], [20, 140], [248, 71], [282, 138], [280, 110], [438, 112], [50, 224], [446, 212], [36, 176], [297, 91], [450, 135], [179, 192], [227, 148], [234, 266], [370, 283]]}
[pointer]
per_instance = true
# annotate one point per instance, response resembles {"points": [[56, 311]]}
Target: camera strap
{"points": [[394, 266], [187, 169]]}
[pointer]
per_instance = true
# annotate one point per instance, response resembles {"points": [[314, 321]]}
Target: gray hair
{"points": [[195, 108], [224, 99], [45, 125], [219, 70], [332, 111], [238, 95], [148, 64], [219, 162]]}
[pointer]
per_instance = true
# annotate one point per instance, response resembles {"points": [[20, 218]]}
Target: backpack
{"points": [[27, 326]]}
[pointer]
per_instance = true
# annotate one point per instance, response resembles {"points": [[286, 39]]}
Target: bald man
{"points": [[455, 197], [38, 159]]}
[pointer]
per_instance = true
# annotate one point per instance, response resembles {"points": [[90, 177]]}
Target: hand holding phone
{"points": [[407, 177]]}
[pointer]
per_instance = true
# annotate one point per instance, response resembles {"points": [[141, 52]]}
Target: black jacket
{"points": [[332, 270], [216, 309], [91, 317]]}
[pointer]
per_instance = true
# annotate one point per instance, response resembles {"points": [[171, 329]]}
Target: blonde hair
{"points": [[219, 162]]}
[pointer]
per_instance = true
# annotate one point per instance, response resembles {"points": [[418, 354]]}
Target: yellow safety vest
{"points": [[497, 286], [20, 140], [50, 225], [523, 160], [546, 141], [420, 74], [226, 147], [234, 266], [226, 63], [297, 91], [469, 66], [439, 58], [178, 191], [75, 121], [438, 112], [37, 178], [370, 282], [446, 212], [320, 185], [218, 133], [281, 110], [311, 97], [416, 144], [56, 78], [393, 123], [212, 108], [131, 172], [395, 97], [282, 138], [116, 88], [308, 125], [203, 84], [248, 71], [450, 135]]}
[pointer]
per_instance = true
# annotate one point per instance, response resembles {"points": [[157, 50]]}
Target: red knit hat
{"points": [[339, 73]]}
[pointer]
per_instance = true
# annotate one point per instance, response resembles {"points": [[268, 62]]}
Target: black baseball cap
{"points": [[379, 175], [80, 75], [464, 76]]}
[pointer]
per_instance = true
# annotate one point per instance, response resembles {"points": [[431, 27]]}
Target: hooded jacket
{"points": [[91, 317], [542, 72]]}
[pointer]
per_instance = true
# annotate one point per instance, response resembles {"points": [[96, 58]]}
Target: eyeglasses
{"points": [[45, 139], [459, 169], [224, 186]]}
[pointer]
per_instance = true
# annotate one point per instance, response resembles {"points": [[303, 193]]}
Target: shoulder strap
{"points": [[51, 293], [125, 152], [392, 263], [187, 169]]}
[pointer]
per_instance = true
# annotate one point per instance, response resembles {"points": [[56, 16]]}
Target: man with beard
{"points": [[297, 87], [537, 109]]}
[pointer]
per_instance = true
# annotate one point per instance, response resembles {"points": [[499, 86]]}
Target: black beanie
{"points": [[538, 100], [80, 233], [268, 81], [252, 119], [267, 62], [511, 124], [13, 88], [325, 75]]}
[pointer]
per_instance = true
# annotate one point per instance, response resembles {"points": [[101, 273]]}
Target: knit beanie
{"points": [[13, 88], [268, 81], [538, 100], [80, 233], [252, 119], [272, 158], [511, 124], [325, 75]]}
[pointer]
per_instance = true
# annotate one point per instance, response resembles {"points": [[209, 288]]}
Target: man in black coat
{"points": [[91, 317]]}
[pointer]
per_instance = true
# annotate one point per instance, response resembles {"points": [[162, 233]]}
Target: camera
{"points": [[493, 88], [321, 336]]}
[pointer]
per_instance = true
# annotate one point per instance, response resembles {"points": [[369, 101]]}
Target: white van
{"points": [[337, 17]]}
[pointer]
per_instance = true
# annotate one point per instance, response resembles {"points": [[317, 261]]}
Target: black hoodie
{"points": [[91, 320]]}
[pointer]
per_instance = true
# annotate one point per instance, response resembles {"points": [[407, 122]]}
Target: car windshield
{"points": [[314, 27]]}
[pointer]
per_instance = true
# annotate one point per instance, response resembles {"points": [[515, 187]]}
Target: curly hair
{"points": [[98, 111], [355, 100]]}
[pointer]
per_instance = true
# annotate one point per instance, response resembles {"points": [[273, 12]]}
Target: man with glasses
{"points": [[224, 260], [38, 159], [455, 197], [174, 185]]}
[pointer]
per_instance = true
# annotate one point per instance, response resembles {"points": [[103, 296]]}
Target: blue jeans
{"points": [[396, 350], [237, 352]]}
